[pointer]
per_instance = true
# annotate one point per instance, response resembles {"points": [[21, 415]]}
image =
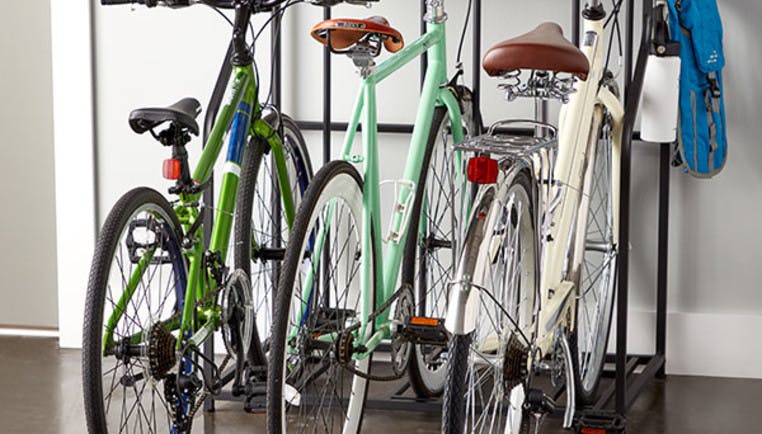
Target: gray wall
{"points": [[27, 237]]}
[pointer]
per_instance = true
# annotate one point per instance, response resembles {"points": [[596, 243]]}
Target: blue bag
{"points": [[702, 138]]}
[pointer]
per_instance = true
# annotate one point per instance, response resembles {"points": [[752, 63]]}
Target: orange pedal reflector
{"points": [[421, 321], [593, 431]]}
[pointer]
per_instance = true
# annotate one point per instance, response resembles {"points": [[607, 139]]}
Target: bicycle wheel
{"points": [[261, 231], [597, 275], [487, 364], [319, 297], [128, 362], [430, 251]]}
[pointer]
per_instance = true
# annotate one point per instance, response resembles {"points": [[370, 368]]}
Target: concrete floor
{"points": [[40, 393]]}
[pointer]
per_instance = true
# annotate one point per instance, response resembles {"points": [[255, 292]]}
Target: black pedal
{"points": [[425, 331], [256, 398], [332, 319], [600, 422]]}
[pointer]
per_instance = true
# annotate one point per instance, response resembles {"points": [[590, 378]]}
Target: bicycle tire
{"points": [[336, 181], [257, 173], [454, 405], [427, 380], [586, 384], [109, 240]]}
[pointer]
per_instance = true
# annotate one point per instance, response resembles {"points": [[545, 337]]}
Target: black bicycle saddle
{"points": [[183, 113]]}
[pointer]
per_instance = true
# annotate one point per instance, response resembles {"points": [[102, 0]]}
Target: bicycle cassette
{"points": [[515, 362], [237, 314], [161, 350]]}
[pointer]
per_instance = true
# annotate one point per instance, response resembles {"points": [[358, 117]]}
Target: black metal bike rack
{"points": [[631, 373]]}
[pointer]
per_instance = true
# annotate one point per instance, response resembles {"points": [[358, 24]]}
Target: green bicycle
{"points": [[159, 289], [338, 298]]}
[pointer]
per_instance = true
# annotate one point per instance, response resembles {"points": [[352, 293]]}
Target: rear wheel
{"points": [[430, 247], [480, 385], [311, 386], [135, 295]]}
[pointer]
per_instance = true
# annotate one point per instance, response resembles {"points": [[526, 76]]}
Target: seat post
{"points": [[436, 12], [541, 115]]}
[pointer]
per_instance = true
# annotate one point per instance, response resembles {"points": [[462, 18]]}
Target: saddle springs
{"points": [[541, 85]]}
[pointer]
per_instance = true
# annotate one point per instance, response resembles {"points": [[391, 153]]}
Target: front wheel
{"points": [[261, 227], [313, 383], [431, 245], [597, 276], [135, 295]]}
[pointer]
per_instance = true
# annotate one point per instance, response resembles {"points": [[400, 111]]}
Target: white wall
{"points": [[73, 135], [28, 236], [146, 57]]}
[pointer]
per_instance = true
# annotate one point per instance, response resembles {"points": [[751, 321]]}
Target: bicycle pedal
{"points": [[333, 319], [267, 254], [255, 404], [425, 331], [256, 397], [599, 422]]}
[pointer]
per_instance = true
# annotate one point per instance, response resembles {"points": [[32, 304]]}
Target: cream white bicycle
{"points": [[531, 303]]}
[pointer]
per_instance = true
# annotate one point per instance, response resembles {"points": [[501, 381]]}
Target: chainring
{"points": [[237, 314], [402, 348]]}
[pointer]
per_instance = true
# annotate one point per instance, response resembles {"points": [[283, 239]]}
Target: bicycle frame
{"points": [[237, 114], [433, 94], [562, 260]]}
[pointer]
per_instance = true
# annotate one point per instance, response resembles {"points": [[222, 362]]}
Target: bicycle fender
{"points": [[463, 299]]}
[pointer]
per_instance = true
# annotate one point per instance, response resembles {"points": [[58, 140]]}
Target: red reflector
{"points": [[482, 170], [172, 169], [593, 431]]}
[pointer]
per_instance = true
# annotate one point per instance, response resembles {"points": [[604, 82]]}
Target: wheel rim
{"points": [[330, 398], [598, 272], [506, 306], [134, 401]]}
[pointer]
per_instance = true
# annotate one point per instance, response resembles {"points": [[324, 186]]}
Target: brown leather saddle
{"points": [[346, 32], [544, 48]]}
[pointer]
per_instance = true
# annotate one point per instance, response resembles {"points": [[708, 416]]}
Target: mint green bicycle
{"points": [[159, 289], [338, 297]]}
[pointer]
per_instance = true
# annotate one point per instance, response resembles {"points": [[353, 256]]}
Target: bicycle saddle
{"points": [[346, 32], [544, 48], [183, 113]]}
